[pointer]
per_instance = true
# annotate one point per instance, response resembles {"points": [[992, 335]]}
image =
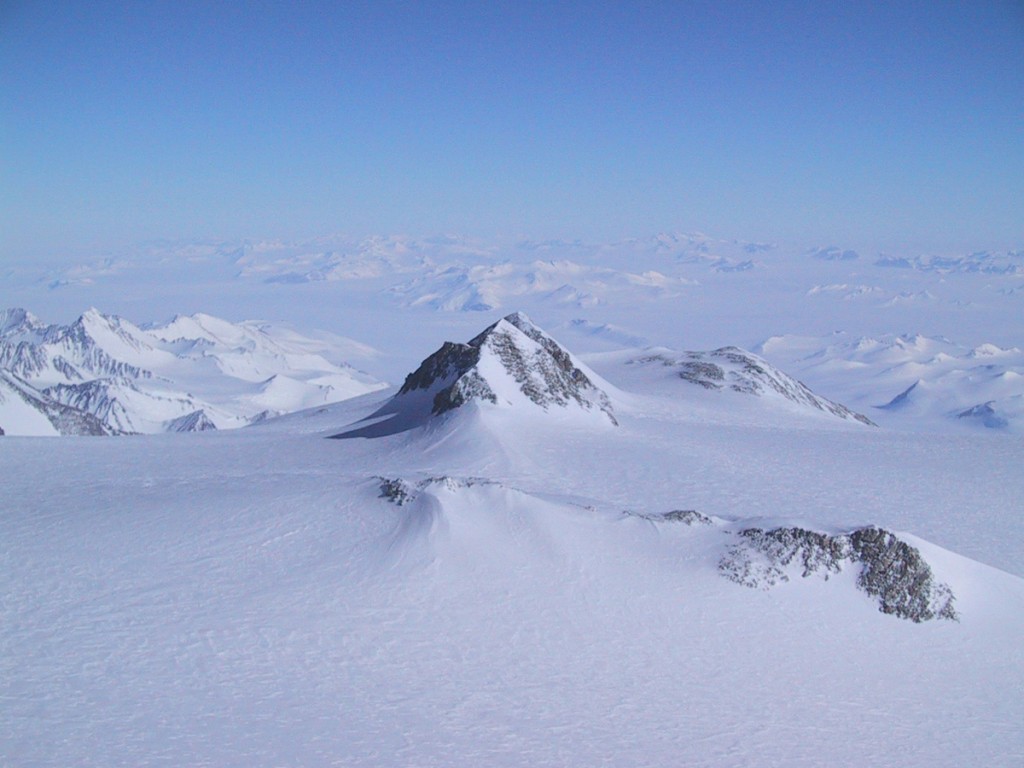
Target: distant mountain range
{"points": [[913, 380], [104, 375]]}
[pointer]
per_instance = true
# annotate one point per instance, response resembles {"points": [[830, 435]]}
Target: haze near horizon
{"points": [[875, 127]]}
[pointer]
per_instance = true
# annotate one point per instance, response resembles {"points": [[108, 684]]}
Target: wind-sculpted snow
{"points": [[135, 380], [890, 570], [513, 588]]}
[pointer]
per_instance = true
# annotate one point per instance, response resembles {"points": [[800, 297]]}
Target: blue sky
{"points": [[890, 125]]}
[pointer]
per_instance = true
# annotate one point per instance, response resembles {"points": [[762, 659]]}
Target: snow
{"points": [[145, 381], [248, 598], [21, 416], [918, 382], [259, 596]]}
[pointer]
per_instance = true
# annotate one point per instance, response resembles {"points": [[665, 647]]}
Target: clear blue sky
{"points": [[865, 124]]}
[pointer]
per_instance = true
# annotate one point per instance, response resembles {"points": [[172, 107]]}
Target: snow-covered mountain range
{"points": [[550, 534], [104, 375], [913, 381], [511, 576]]}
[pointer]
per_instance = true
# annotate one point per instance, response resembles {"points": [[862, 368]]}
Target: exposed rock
{"points": [[510, 362], [688, 516], [65, 419], [197, 421], [736, 370], [446, 363], [401, 492], [986, 414], [890, 569], [898, 576], [396, 490]]}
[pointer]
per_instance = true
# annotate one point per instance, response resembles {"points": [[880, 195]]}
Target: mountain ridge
{"points": [[153, 379]]}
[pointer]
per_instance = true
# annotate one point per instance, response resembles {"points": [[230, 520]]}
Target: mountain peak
{"points": [[510, 364], [515, 361], [522, 322], [17, 320]]}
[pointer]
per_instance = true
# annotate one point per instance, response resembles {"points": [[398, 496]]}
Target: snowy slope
{"points": [[266, 596], [25, 410], [725, 578], [914, 381], [194, 370], [718, 382]]}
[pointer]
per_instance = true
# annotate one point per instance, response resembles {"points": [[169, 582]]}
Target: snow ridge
{"points": [[888, 569], [736, 370]]}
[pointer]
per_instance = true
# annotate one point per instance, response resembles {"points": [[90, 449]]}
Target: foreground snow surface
{"points": [[250, 599]]}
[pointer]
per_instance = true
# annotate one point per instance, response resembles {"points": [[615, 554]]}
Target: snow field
{"points": [[248, 598]]}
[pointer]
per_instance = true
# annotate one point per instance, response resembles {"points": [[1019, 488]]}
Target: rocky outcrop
{"points": [[401, 492], [986, 415], [685, 516], [736, 370], [197, 421], [890, 570]]}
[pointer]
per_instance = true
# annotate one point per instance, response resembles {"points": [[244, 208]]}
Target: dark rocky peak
{"points": [[512, 363], [510, 357]]}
